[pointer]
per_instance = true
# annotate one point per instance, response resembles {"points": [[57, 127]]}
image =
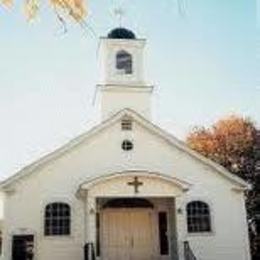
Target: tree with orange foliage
{"points": [[231, 142], [75, 9]]}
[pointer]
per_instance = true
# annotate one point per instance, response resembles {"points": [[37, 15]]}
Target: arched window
{"points": [[57, 219], [198, 217], [124, 62]]}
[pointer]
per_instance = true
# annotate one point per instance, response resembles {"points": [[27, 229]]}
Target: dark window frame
{"points": [[57, 219], [198, 217]]}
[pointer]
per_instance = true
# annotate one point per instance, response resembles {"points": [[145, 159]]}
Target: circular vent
{"points": [[127, 145]]}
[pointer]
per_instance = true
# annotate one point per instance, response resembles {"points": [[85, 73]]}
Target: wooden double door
{"points": [[127, 234]]}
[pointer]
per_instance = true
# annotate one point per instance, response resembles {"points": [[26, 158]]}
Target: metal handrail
{"points": [[188, 253]]}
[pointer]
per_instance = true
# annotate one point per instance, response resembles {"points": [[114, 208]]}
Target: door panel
{"points": [[115, 244], [141, 227], [127, 234]]}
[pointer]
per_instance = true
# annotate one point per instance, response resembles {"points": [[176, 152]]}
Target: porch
{"points": [[134, 215]]}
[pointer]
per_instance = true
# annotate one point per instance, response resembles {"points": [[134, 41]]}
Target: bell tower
{"points": [[121, 82]]}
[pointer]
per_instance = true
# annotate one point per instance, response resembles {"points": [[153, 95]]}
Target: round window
{"points": [[127, 145]]}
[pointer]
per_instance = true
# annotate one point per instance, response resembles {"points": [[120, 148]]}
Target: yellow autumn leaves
{"points": [[31, 8], [73, 8], [7, 3]]}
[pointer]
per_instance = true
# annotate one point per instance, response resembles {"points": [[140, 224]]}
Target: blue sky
{"points": [[203, 64]]}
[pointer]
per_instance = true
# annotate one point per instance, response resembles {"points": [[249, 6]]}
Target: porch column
{"points": [[90, 219], [180, 224]]}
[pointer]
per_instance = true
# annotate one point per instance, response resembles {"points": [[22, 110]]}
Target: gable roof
{"points": [[240, 183]]}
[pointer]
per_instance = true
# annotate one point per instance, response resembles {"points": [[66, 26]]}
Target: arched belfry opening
{"points": [[124, 62]]}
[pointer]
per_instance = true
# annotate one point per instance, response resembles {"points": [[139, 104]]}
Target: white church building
{"points": [[126, 189]]}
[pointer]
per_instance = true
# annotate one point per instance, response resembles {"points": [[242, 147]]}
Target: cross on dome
{"points": [[119, 13]]}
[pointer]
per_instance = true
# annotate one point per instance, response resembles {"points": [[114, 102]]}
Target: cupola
{"points": [[122, 82]]}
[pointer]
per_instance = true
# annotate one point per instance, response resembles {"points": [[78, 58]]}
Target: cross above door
{"points": [[136, 184]]}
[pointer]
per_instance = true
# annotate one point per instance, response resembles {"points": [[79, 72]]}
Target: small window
{"points": [[98, 234], [127, 145], [57, 219], [124, 62], [198, 217], [163, 233], [126, 124]]}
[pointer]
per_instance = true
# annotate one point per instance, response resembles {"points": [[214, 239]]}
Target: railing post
{"points": [[188, 253], [89, 252], [186, 245]]}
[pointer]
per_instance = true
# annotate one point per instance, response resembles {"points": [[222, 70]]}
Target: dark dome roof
{"points": [[121, 33]]}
